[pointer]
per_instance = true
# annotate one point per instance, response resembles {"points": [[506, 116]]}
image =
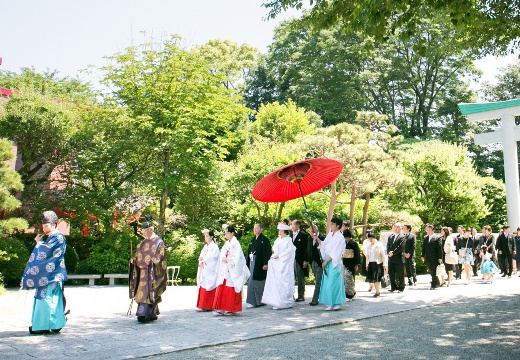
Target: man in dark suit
{"points": [[409, 254], [316, 261], [394, 249], [507, 248], [432, 254], [302, 258], [258, 255]]}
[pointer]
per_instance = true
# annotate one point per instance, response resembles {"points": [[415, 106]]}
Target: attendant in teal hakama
{"points": [[46, 272], [332, 289]]}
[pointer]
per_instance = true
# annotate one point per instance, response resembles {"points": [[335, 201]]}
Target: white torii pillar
{"points": [[508, 135]]}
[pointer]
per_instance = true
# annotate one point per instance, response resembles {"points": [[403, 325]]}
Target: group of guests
{"points": [[466, 252], [273, 270]]}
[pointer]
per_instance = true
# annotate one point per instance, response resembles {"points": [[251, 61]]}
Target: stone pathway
{"points": [[98, 327]]}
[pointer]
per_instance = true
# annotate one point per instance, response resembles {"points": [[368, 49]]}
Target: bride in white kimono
{"points": [[279, 284]]}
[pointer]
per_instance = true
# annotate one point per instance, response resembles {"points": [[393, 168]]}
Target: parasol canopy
{"points": [[297, 180]]}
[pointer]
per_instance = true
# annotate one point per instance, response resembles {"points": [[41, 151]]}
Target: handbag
{"points": [[385, 281], [348, 254], [451, 258], [462, 252], [440, 271]]}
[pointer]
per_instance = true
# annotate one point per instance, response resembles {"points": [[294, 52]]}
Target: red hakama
{"points": [[206, 298], [226, 299]]}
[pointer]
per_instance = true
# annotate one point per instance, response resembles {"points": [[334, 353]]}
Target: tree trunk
{"points": [[365, 214], [165, 191], [352, 208], [333, 200]]}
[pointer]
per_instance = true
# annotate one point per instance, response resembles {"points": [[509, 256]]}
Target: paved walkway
{"points": [[99, 328]]}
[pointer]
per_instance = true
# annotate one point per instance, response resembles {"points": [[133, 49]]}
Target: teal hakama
{"points": [[332, 289], [48, 312]]}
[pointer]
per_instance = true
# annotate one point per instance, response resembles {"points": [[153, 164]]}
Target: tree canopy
{"points": [[486, 24]]}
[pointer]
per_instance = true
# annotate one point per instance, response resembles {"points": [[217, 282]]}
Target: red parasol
{"points": [[297, 180]]}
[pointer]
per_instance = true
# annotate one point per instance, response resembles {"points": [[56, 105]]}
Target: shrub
{"points": [[71, 259], [112, 253], [84, 268], [14, 265], [183, 251]]}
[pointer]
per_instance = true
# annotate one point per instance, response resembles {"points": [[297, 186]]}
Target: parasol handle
{"points": [[305, 204]]}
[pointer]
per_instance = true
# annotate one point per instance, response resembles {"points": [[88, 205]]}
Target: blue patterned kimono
{"points": [[45, 271]]}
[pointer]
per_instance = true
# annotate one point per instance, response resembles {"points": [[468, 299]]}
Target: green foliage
{"points": [[443, 188], [48, 84], [13, 266], [10, 183], [494, 191], [319, 71], [281, 123], [71, 259], [411, 80], [111, 253], [255, 162], [189, 115], [111, 162], [420, 266], [477, 22], [183, 250]]}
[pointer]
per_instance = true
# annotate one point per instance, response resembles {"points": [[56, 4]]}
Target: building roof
{"points": [[471, 108]]}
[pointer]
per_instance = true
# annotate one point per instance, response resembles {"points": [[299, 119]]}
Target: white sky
{"points": [[69, 35]]}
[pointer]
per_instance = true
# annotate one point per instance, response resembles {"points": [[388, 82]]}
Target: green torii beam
{"points": [[508, 135]]}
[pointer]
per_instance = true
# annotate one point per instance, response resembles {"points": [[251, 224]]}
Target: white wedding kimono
{"points": [[279, 284], [208, 272], [235, 270]]}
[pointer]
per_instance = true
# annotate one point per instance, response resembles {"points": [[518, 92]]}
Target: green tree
{"points": [[409, 79], [443, 187], [478, 22], [363, 151], [281, 123], [253, 163], [190, 115], [109, 163], [49, 84], [494, 192], [10, 183], [41, 128], [317, 70]]}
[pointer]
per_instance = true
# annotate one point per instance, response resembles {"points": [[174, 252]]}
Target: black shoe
{"points": [[504, 275], [300, 299], [143, 319], [312, 303], [433, 288], [56, 330], [153, 318], [38, 332], [377, 295], [391, 290]]}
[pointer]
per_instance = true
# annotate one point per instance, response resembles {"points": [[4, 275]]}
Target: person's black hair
{"points": [[231, 229], [337, 221], [371, 234], [347, 234]]}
